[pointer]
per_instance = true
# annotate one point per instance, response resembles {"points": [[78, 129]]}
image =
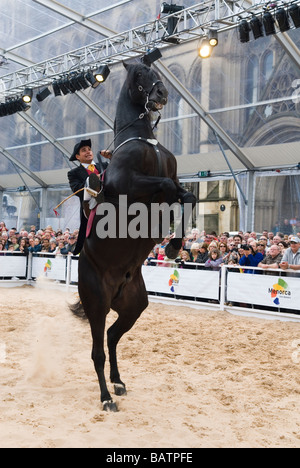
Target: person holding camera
{"points": [[250, 257]]}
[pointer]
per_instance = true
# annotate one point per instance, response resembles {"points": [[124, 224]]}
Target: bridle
{"points": [[141, 89]]}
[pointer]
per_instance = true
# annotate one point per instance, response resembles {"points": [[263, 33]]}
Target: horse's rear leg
{"points": [[99, 358], [96, 307], [129, 306]]}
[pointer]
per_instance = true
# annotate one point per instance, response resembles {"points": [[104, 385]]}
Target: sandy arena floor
{"points": [[194, 379]]}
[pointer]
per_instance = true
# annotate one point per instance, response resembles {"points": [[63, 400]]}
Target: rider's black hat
{"points": [[77, 148]]}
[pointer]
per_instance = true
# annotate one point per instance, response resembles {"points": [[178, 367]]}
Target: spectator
{"points": [[277, 239], [35, 246], [273, 259], [2, 227], [161, 255], [250, 258], [202, 256], [237, 240], [213, 245], [184, 255], [61, 249], [214, 260], [151, 259], [232, 254], [24, 245], [287, 227], [183, 258], [283, 246], [71, 245], [14, 243], [53, 246], [291, 257], [223, 249], [45, 245], [195, 234], [233, 259], [270, 237], [261, 248], [223, 238], [194, 251], [5, 240], [246, 237]]}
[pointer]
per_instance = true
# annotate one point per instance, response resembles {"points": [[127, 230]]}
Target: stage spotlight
{"points": [[166, 8], [282, 20], [172, 24], [294, 12], [43, 94], [11, 106], [27, 95], [81, 81], [73, 84], [91, 79], [64, 86], [269, 23], [205, 49], [102, 73], [56, 88], [244, 31], [151, 57], [257, 27], [3, 110], [213, 37], [23, 106]]}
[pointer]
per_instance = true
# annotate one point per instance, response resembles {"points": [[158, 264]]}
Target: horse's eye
{"points": [[139, 75]]}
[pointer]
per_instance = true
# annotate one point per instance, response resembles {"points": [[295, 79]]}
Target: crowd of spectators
{"points": [[242, 250], [37, 240]]}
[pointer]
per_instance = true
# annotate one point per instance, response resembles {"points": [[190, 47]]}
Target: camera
{"points": [[245, 247]]}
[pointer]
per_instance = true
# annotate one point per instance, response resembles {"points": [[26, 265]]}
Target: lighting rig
{"points": [[69, 83], [274, 15]]}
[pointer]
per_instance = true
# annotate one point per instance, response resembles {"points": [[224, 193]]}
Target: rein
{"points": [[151, 142]]}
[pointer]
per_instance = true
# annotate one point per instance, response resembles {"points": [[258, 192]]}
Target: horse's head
{"points": [[146, 87]]}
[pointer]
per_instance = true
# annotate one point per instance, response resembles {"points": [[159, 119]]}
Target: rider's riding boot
{"points": [[86, 209], [92, 185], [91, 191]]}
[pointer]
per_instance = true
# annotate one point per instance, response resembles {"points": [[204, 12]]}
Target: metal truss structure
{"points": [[190, 24]]}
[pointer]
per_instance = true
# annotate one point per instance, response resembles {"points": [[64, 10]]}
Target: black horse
{"points": [[110, 268]]}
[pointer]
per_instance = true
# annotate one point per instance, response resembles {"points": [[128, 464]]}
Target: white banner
{"points": [[74, 270], [12, 265], [49, 267], [182, 282], [266, 290]]}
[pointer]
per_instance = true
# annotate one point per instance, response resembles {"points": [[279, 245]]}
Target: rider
{"points": [[86, 175]]}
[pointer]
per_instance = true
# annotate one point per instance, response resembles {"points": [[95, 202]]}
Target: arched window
{"points": [[267, 66], [195, 122], [173, 112], [252, 83]]}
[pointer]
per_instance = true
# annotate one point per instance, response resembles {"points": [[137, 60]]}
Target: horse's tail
{"points": [[78, 310]]}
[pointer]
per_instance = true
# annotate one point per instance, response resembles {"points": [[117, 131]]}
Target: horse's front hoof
{"points": [[120, 389], [171, 252], [110, 406]]}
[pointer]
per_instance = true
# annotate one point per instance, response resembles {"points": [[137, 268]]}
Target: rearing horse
{"points": [[110, 268]]}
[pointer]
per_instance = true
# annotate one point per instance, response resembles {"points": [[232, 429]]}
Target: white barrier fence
{"points": [[276, 293]]}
